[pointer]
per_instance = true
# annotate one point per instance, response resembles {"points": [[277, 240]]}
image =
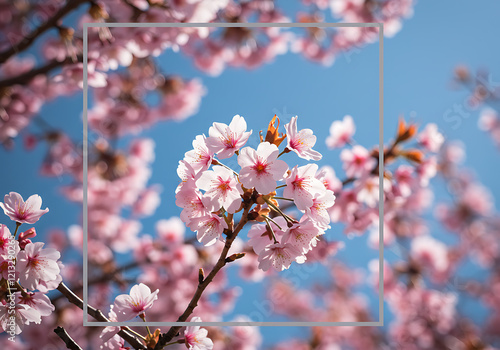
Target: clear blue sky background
{"points": [[419, 63]]}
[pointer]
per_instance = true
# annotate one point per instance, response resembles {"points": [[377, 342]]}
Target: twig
{"points": [[172, 332], [105, 277], [70, 343], [31, 37], [99, 316]]}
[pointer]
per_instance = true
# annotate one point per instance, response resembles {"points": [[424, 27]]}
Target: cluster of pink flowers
{"points": [[28, 270], [119, 95], [210, 197]]}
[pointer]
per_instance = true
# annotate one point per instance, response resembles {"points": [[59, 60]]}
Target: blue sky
{"points": [[418, 63]]}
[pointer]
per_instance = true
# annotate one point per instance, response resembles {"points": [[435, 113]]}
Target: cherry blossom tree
{"points": [[252, 207]]}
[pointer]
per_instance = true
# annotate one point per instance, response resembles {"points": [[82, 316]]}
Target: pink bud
{"points": [[31, 233]]}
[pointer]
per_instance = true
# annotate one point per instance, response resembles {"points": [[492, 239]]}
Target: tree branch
{"points": [[203, 284], [30, 38], [70, 343], [99, 316], [26, 77]]}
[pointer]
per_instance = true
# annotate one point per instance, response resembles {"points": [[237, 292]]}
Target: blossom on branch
{"points": [[196, 338], [20, 211], [140, 299], [36, 264], [301, 142], [222, 189], [224, 140], [260, 168]]}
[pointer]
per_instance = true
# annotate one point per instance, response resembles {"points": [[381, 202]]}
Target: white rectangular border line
{"points": [[380, 26]]}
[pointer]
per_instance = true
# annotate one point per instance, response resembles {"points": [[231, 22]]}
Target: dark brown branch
{"points": [[70, 343], [99, 316], [26, 77], [31, 37], [202, 285]]}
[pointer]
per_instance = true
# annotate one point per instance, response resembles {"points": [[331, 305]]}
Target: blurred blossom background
{"points": [[153, 91]]}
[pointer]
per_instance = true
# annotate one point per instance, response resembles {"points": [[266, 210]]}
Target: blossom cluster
{"points": [[37, 269], [210, 192], [120, 95]]}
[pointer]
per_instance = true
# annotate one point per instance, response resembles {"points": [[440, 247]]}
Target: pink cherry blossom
{"points": [[319, 210], [38, 301], [190, 199], [357, 161], [22, 315], [224, 140], [200, 157], [429, 252], [301, 142], [6, 240], [303, 235], [109, 334], [259, 237], [209, 228], [222, 189], [341, 132], [327, 176], [260, 168], [20, 211], [430, 138], [187, 174], [278, 255], [302, 185], [196, 338], [36, 264], [140, 299], [9, 248]]}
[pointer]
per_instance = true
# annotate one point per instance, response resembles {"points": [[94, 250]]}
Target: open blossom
{"points": [[36, 264], [278, 255], [222, 189], [431, 138], [303, 235], [357, 161], [260, 168], [140, 299], [302, 185], [38, 301], [21, 314], [341, 132], [209, 228], [224, 140], [301, 142], [319, 210], [20, 211], [190, 199], [200, 157], [196, 337]]}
